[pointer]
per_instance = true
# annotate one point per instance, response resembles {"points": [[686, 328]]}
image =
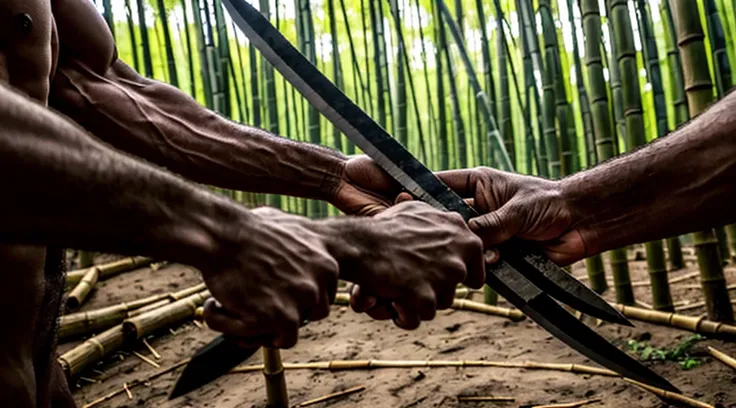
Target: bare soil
{"points": [[453, 335]]}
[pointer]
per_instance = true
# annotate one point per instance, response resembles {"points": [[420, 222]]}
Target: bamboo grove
{"points": [[542, 87]]}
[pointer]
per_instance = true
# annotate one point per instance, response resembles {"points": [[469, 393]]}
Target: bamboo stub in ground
{"points": [[273, 373], [146, 323], [461, 304], [91, 321], [80, 292], [697, 324], [336, 365], [671, 396], [109, 269], [722, 357]]}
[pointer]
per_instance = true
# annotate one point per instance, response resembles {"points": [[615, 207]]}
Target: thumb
{"points": [[495, 227]]}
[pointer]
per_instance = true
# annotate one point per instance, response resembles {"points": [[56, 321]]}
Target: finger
{"points": [[422, 302], [476, 266], [405, 317], [445, 299], [459, 180], [470, 202], [360, 302], [403, 197], [288, 332], [495, 227], [219, 319], [384, 310]]}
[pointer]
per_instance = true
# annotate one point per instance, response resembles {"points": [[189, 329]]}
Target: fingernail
{"points": [[371, 303], [490, 255]]}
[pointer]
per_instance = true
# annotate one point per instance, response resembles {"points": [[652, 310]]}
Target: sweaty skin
{"points": [[68, 189]]}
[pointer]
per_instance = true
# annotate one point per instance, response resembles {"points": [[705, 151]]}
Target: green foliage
{"points": [[679, 354]]}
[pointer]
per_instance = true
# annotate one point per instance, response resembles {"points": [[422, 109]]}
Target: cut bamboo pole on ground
{"points": [[484, 398], [92, 350], [461, 304], [173, 313], [109, 269], [80, 292], [329, 397], [339, 365], [691, 323], [575, 404], [82, 323], [671, 396], [722, 357]]}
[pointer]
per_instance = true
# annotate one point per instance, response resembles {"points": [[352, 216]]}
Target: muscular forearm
{"points": [[681, 183], [161, 124], [60, 186]]}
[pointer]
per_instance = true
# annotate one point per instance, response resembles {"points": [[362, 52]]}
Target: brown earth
{"points": [[454, 335]]}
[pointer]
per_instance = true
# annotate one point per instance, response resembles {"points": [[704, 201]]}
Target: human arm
{"points": [[681, 183]]}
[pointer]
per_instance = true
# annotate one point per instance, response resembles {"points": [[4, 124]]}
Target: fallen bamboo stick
{"points": [[109, 269], [698, 286], [134, 384], [146, 323], [647, 282], [152, 350], [696, 324], [330, 396], [484, 398], [83, 323], [273, 373], [461, 304], [337, 365], [83, 288], [92, 350], [722, 357], [671, 396], [575, 404], [146, 359]]}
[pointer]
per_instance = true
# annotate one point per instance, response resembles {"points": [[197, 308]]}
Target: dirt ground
{"points": [[454, 335]]}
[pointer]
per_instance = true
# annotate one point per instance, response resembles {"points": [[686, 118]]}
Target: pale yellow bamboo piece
{"points": [[135, 383], [575, 404], [671, 396], [109, 269], [461, 304], [92, 350], [484, 398], [330, 396], [723, 357], [336, 365], [640, 283], [152, 350], [77, 324], [146, 359], [80, 292], [697, 324], [127, 391], [183, 309]]}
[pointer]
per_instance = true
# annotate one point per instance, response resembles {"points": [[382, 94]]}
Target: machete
{"points": [[524, 276]]}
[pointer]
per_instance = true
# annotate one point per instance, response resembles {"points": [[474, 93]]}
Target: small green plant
{"points": [[680, 354]]}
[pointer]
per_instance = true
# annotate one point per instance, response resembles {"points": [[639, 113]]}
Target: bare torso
{"points": [[37, 37]]}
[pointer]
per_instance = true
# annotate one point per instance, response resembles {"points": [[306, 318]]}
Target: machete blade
{"points": [[210, 362], [557, 321]]}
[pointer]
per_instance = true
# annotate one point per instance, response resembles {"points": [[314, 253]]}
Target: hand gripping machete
{"points": [[524, 276]]}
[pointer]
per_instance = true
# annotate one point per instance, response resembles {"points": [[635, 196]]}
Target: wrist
{"points": [[584, 207], [347, 239]]}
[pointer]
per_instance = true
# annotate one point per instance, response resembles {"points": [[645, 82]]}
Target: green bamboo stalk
{"points": [[402, 110], [243, 82], [145, 45], [482, 98], [222, 58], [386, 73], [461, 152], [488, 82], [677, 86], [190, 55], [336, 67], [377, 52], [213, 68], [441, 98], [359, 84], [505, 123], [603, 132], [699, 90], [616, 91], [428, 88], [203, 56], [170, 60], [107, 15], [131, 33], [626, 57], [585, 113]]}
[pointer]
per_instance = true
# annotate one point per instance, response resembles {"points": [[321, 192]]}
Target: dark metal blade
{"points": [[561, 324], [396, 160], [209, 363], [562, 286]]}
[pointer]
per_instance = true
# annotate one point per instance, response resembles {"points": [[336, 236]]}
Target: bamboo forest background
{"points": [[406, 63]]}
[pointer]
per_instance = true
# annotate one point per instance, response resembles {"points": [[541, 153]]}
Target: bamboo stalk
{"points": [[330, 396], [152, 350], [135, 383], [146, 359], [338, 365], [273, 372], [82, 323], [460, 304], [484, 398], [80, 292], [722, 357], [671, 396], [575, 404], [690, 323], [92, 350], [146, 323], [109, 269]]}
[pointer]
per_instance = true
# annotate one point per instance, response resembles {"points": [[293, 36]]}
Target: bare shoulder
{"points": [[83, 34]]}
